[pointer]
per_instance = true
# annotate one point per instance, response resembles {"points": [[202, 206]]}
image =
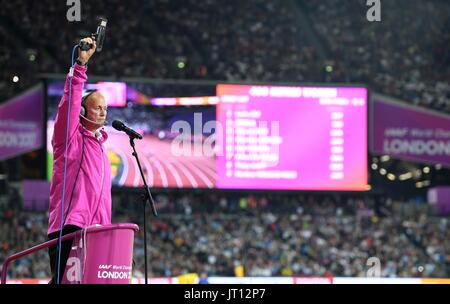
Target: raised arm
{"points": [[78, 80]]}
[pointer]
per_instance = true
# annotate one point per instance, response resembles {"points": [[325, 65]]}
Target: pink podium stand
{"points": [[99, 255]]}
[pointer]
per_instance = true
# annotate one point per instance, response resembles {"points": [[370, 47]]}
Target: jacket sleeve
{"points": [[59, 134]]}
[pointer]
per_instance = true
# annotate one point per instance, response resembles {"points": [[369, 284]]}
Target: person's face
{"points": [[96, 108]]}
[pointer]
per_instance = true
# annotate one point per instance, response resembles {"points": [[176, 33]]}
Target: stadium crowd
{"points": [[242, 41], [388, 55], [295, 41], [266, 234]]}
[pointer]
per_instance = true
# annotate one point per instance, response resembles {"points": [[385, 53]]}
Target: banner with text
{"points": [[21, 123], [409, 132]]}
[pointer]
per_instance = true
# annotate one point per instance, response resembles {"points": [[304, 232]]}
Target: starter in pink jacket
{"points": [[87, 198]]}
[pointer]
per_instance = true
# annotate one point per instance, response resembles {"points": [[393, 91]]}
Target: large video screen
{"points": [[242, 137], [308, 138]]}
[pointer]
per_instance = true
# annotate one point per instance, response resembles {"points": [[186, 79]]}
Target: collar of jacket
{"points": [[102, 139]]}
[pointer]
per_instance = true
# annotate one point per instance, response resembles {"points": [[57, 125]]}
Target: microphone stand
{"points": [[147, 196]]}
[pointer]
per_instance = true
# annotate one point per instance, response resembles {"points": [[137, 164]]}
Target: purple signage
{"points": [[409, 132], [440, 197], [36, 194], [21, 123]]}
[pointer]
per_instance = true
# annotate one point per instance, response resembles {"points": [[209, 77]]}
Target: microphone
{"points": [[120, 126], [99, 37]]}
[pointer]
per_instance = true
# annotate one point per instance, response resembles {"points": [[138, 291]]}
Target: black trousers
{"points": [[65, 251]]}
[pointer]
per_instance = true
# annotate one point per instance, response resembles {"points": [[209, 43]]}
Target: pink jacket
{"points": [[87, 198]]}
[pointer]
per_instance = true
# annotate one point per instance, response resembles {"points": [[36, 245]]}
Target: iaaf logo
{"points": [[103, 266], [114, 274], [73, 273]]}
